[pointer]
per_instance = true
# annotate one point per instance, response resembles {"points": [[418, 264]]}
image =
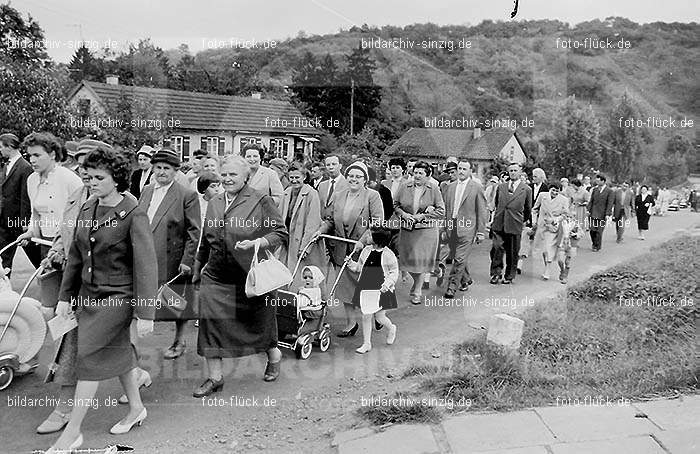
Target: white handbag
{"points": [[267, 275]]}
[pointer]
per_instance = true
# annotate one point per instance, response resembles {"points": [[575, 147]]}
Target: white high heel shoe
{"points": [[119, 428], [75, 445]]}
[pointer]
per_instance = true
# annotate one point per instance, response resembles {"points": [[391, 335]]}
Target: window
{"points": [[84, 107], [512, 153], [278, 148], [250, 140], [176, 144], [210, 144]]}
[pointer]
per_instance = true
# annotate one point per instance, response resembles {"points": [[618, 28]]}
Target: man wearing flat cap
{"points": [[70, 162], [173, 210], [141, 176], [15, 207]]}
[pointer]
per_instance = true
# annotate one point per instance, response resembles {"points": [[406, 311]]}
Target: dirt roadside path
{"points": [[314, 398]]}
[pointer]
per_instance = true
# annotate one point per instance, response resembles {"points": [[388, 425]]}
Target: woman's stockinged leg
{"points": [[274, 355], [83, 399], [350, 316], [215, 368], [382, 318], [131, 389]]}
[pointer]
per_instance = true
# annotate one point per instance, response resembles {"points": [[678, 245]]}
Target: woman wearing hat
{"points": [[141, 176], [49, 187], [173, 212], [301, 211], [419, 205], [262, 178], [353, 211], [232, 324], [110, 277]]}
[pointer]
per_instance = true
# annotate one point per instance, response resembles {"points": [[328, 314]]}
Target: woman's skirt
{"points": [[418, 249], [642, 221], [232, 324], [104, 347], [582, 217]]}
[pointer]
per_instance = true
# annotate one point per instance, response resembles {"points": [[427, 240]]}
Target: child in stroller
{"points": [[310, 295]]}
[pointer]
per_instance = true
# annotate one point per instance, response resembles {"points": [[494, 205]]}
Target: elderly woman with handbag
{"points": [[231, 323], [110, 277], [353, 211], [419, 205]]}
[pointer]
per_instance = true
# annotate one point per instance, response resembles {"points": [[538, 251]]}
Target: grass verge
{"points": [[629, 333]]}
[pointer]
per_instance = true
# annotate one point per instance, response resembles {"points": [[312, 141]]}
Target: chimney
{"points": [[112, 79], [477, 133], [256, 95]]}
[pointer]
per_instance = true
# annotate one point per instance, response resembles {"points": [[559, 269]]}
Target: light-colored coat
{"points": [[472, 214], [367, 212], [266, 181], [431, 198], [305, 221]]}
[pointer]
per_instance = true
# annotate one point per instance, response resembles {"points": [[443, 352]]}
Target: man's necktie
{"points": [[330, 192], [512, 187]]}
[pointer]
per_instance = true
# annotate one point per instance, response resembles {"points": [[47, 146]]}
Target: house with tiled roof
{"points": [[216, 123], [480, 147]]}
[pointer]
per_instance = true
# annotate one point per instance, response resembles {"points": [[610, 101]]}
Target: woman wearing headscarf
{"points": [[549, 211], [110, 277], [353, 210], [301, 211], [232, 324], [419, 204]]}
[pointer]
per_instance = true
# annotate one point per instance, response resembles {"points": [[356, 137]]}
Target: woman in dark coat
{"points": [[642, 207], [110, 277], [231, 323]]}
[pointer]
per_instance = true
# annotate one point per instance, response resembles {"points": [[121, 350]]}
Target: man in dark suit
{"points": [[142, 176], [465, 224], [599, 209], [513, 211], [15, 207], [538, 186], [173, 211], [623, 206]]}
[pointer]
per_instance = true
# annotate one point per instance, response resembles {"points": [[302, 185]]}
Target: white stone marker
{"points": [[506, 331]]}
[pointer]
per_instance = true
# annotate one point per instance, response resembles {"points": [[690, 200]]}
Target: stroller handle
{"points": [[311, 243], [35, 240]]}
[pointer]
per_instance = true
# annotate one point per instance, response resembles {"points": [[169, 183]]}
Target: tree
{"points": [[84, 66], [573, 145], [189, 76], [145, 65], [368, 96], [623, 144], [21, 43]]}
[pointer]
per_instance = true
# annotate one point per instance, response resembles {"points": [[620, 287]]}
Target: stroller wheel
{"points": [[324, 342], [6, 375], [303, 351]]}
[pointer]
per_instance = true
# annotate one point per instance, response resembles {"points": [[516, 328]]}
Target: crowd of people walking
{"points": [[125, 237]]}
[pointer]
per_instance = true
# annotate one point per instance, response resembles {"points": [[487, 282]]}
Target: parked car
{"points": [[673, 206]]}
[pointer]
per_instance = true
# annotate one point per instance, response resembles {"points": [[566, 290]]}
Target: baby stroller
{"points": [[296, 330], [26, 336]]}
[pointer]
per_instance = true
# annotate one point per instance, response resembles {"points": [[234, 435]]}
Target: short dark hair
{"points": [[10, 140], [317, 164], [397, 162], [602, 177], [381, 236], [206, 179], [254, 146], [112, 161], [425, 166], [576, 182], [199, 153], [47, 141], [643, 186], [371, 174]]}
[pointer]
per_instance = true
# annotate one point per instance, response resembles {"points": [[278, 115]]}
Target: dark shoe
{"points": [[464, 287], [426, 285], [507, 280], [208, 387], [351, 332], [378, 326], [495, 280], [450, 294], [519, 271], [175, 351], [272, 371], [440, 275]]}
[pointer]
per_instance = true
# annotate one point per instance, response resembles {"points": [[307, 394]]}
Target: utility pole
{"points": [[352, 106]]}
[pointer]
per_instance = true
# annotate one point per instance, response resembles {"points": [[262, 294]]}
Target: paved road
{"points": [[312, 399]]}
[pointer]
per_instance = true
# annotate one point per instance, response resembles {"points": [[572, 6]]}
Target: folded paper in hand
{"points": [[369, 301], [60, 325]]}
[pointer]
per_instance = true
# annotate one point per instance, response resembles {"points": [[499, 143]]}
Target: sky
{"points": [[202, 23]]}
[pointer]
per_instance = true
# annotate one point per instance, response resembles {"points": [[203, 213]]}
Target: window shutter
{"points": [[222, 145], [186, 147], [203, 143]]}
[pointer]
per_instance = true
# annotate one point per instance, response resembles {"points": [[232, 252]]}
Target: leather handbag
{"points": [[172, 304], [267, 275]]}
